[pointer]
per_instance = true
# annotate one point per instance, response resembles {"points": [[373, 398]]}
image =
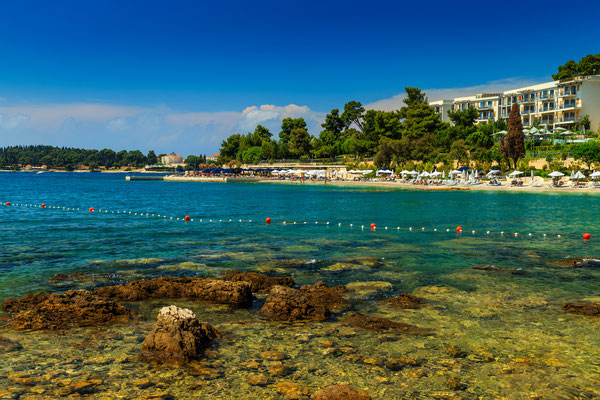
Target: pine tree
{"points": [[513, 145]]}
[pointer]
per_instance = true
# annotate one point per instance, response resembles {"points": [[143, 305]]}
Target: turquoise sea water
{"points": [[514, 318]]}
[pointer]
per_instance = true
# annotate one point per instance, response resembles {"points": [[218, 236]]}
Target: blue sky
{"points": [[182, 75]]}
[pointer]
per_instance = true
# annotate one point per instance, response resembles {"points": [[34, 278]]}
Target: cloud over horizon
{"points": [[160, 128]]}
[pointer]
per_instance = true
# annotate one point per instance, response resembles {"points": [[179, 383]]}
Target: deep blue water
{"points": [[39, 243]]}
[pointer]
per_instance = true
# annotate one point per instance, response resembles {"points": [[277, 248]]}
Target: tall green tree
{"points": [[152, 159], [299, 143], [353, 113], [588, 152], [512, 146]]}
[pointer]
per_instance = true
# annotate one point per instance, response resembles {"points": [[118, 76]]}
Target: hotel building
{"points": [[558, 103]]}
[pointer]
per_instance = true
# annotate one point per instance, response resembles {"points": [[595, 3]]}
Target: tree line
{"points": [[70, 158]]}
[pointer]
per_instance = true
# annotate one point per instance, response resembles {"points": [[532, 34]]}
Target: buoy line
{"points": [[459, 231]]}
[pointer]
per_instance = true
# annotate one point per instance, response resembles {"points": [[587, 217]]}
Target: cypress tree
{"points": [[513, 145]]}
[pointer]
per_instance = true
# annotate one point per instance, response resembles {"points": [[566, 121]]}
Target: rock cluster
{"points": [[211, 290], [259, 283], [310, 302], [177, 336], [64, 310]]}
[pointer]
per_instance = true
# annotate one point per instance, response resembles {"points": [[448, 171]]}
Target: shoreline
{"points": [[394, 185]]}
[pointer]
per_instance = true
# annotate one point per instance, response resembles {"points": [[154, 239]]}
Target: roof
{"points": [[216, 155]]}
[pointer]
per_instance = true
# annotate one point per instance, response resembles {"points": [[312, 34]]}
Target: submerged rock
{"points": [[495, 268], [340, 392], [258, 282], [64, 310], [366, 289], [359, 320], [177, 336], [288, 304], [583, 308], [291, 390], [7, 345], [579, 262], [212, 290], [76, 276], [405, 300]]}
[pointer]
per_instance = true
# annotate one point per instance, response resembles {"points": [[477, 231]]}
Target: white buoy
{"points": [[284, 222], [448, 230], [544, 235], [327, 222], [339, 224], [473, 232], [502, 233], [350, 224], [316, 222], [530, 234], [410, 229], [362, 227], [557, 235], [386, 228], [423, 229], [488, 232], [435, 229]]}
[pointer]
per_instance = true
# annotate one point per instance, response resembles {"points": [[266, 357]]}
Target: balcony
{"points": [[566, 94], [568, 119], [570, 105]]}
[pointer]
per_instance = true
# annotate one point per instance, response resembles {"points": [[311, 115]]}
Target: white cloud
{"points": [[162, 129], [396, 102], [13, 121]]}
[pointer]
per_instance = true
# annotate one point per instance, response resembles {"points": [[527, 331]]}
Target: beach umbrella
{"points": [[476, 175], [560, 129], [435, 173], [492, 173], [556, 174], [515, 173], [572, 174], [533, 130], [566, 133], [578, 175], [444, 174], [500, 133], [413, 172], [595, 174]]}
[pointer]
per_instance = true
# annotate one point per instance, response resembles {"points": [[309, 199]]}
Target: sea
{"points": [[496, 334]]}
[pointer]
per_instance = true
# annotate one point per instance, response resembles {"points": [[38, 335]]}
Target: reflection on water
{"points": [[497, 335]]}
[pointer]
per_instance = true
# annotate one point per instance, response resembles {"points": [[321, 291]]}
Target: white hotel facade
{"points": [[556, 104]]}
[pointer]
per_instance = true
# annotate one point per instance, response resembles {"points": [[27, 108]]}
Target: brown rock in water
{"points": [[579, 262], [64, 310], [359, 320], [177, 336], [310, 302], [495, 268], [340, 392], [405, 300], [331, 297], [583, 308], [259, 283], [212, 290], [291, 390], [288, 304], [258, 380]]}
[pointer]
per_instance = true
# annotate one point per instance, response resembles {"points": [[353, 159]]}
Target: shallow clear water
{"points": [[520, 344]]}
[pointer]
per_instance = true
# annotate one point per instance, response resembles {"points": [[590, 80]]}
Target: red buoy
{"points": [[587, 236], [92, 209], [268, 221], [459, 229], [373, 226], [8, 203], [187, 218], [43, 205]]}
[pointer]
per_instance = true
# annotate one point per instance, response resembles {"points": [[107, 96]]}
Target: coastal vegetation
{"points": [[413, 134]]}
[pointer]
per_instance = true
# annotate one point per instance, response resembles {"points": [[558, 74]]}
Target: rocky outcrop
{"points": [[583, 308], [579, 262], [405, 300], [340, 392], [177, 336], [211, 290], [330, 296], [289, 304], [310, 302], [259, 283], [362, 321], [73, 308], [495, 268]]}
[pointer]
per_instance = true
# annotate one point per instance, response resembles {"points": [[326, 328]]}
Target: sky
{"points": [[180, 76]]}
